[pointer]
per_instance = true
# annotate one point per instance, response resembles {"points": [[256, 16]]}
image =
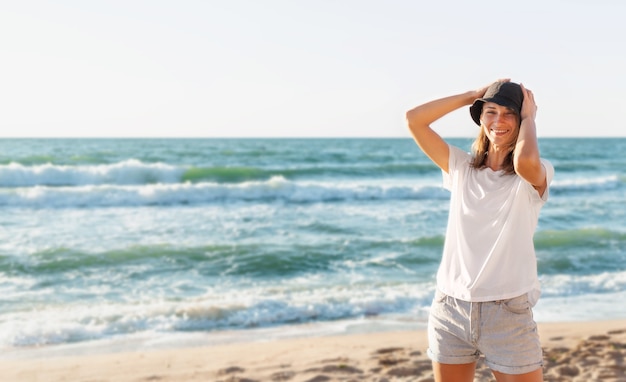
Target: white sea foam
{"points": [[128, 172], [266, 307], [572, 285], [584, 307], [597, 183], [275, 189], [251, 308]]}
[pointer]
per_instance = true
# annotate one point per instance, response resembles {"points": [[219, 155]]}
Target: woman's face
{"points": [[500, 123]]}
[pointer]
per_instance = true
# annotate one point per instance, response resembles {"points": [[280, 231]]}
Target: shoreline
{"points": [[573, 351]]}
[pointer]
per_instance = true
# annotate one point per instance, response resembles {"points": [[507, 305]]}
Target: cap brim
{"points": [[476, 109]]}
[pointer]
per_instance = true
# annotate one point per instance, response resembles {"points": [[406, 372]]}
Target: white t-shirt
{"points": [[489, 252]]}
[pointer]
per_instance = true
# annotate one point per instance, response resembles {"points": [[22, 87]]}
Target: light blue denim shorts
{"points": [[504, 331]]}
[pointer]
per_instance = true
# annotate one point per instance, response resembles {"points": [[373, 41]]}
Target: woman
{"points": [[487, 280]]}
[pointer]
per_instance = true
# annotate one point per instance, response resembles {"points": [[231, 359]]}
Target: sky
{"points": [[301, 68]]}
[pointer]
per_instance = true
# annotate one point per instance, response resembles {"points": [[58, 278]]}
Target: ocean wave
{"points": [[596, 237], [250, 260], [136, 172], [243, 260], [580, 251], [133, 172], [129, 172], [567, 285], [590, 184], [259, 307], [276, 189]]}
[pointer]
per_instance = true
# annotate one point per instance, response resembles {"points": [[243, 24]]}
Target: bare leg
{"points": [[454, 373], [533, 376]]}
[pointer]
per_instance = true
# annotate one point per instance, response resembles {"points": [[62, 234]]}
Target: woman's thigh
{"points": [[445, 372], [533, 376]]}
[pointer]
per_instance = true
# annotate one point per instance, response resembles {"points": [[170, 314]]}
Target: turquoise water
{"points": [[108, 239]]}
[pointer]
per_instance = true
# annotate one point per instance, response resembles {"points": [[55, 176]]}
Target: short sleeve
{"points": [[549, 176], [457, 159]]}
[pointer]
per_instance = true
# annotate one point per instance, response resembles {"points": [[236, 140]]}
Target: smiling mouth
{"points": [[499, 131]]}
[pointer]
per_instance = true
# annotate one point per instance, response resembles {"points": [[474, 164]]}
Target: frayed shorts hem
{"points": [[452, 360], [514, 369]]}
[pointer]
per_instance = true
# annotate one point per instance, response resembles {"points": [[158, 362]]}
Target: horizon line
{"points": [[290, 137]]}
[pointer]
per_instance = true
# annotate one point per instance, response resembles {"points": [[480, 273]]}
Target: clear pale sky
{"points": [[301, 68]]}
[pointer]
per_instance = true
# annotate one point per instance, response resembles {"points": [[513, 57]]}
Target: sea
{"points": [[121, 244]]}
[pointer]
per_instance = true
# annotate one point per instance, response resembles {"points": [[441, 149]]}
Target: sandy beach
{"points": [[580, 351]]}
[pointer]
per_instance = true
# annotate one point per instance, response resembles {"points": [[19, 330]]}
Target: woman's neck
{"points": [[496, 157]]}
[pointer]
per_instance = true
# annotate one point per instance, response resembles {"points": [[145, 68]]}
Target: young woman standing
{"points": [[487, 281]]}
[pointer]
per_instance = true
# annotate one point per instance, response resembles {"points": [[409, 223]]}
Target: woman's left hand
{"points": [[529, 107]]}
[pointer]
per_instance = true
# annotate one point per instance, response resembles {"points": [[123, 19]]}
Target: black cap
{"points": [[507, 94]]}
